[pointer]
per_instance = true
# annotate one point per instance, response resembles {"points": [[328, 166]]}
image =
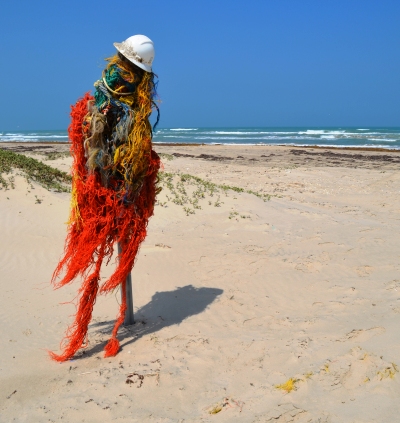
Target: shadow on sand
{"points": [[165, 309]]}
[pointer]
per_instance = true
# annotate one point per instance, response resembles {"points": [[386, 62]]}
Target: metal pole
{"points": [[129, 317]]}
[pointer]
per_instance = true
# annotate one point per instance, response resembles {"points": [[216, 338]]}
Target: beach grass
{"points": [[57, 155], [33, 170], [182, 189], [188, 191]]}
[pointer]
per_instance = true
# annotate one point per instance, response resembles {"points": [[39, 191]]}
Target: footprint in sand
{"points": [[364, 271], [255, 250], [309, 266], [394, 285], [362, 335]]}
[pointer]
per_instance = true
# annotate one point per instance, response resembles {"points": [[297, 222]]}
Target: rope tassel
{"points": [[112, 347], [77, 333]]}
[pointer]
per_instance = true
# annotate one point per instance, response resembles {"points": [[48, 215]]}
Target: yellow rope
{"points": [[132, 158]]}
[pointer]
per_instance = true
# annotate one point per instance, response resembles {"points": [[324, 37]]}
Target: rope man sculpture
{"points": [[114, 184]]}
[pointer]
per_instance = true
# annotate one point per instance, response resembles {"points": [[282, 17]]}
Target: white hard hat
{"points": [[138, 49]]}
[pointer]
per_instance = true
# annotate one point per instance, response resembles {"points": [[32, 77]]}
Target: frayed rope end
{"points": [[112, 348], [59, 357]]}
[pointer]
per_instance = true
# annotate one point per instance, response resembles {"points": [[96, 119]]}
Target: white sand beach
{"points": [[250, 311]]}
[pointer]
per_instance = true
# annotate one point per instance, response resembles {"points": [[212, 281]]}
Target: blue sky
{"points": [[220, 63]]}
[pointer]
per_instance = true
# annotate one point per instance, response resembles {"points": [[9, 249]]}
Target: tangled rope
{"points": [[114, 177]]}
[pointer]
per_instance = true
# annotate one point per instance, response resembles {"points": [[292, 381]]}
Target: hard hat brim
{"points": [[121, 49]]}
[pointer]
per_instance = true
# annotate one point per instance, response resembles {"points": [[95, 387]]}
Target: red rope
{"points": [[112, 347], [77, 333]]}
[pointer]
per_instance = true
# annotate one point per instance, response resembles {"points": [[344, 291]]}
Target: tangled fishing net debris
{"points": [[114, 185]]}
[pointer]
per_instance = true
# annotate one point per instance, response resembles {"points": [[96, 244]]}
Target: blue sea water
{"points": [[381, 137], [334, 137], [34, 136]]}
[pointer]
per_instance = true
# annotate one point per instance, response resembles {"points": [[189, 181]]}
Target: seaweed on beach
{"points": [[34, 170]]}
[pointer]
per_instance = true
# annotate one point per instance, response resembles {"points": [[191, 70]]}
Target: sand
{"points": [[285, 310]]}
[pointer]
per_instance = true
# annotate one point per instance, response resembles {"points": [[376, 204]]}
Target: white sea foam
{"points": [[383, 139], [217, 138], [34, 136], [234, 133], [18, 140], [31, 137], [303, 145], [320, 132], [183, 129], [248, 133]]}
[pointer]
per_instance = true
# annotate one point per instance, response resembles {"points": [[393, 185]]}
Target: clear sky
{"points": [[220, 62]]}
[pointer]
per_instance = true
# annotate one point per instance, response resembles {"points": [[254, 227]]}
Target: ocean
{"points": [[388, 138]]}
